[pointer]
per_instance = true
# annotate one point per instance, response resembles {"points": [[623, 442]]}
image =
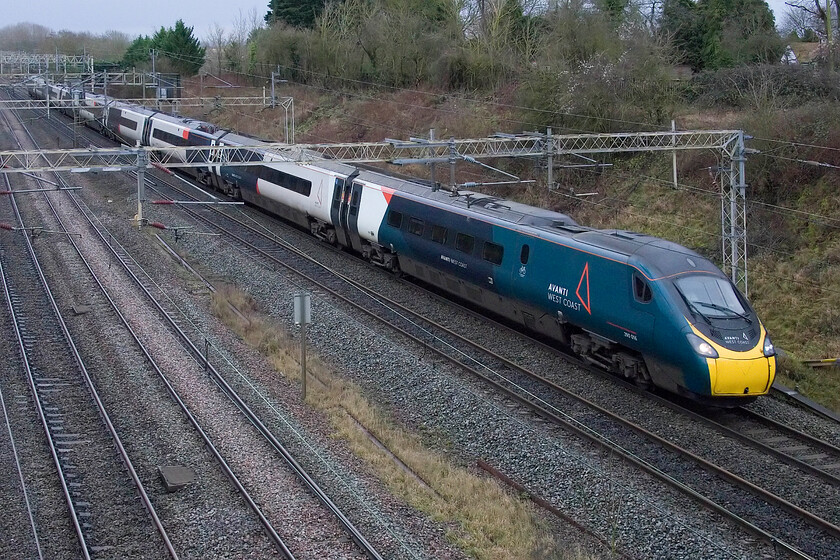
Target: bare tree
{"points": [[236, 50], [649, 11], [827, 14], [800, 22], [816, 9], [216, 39]]}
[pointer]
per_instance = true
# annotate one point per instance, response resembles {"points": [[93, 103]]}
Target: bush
{"points": [[765, 87]]}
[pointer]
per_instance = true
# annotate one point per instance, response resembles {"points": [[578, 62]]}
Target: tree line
{"points": [[597, 59]]}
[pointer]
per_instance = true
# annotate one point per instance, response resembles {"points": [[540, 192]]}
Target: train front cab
{"points": [[732, 359], [736, 373]]}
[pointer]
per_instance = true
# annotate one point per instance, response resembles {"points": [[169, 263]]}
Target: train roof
{"points": [[195, 124], [117, 104], [658, 257], [465, 201]]}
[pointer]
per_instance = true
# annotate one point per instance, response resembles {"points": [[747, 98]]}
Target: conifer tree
{"points": [[297, 13], [178, 45]]}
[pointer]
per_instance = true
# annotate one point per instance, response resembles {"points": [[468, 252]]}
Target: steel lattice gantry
{"points": [[25, 62], [729, 143], [176, 102]]}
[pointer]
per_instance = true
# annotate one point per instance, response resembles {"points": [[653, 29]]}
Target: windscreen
{"points": [[711, 295]]}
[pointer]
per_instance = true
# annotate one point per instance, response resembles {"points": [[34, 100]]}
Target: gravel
{"points": [[429, 398], [455, 414]]}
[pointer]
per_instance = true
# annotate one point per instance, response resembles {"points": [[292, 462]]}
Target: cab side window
{"points": [[641, 289], [395, 219]]}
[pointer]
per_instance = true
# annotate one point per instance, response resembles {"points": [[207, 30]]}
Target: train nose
{"points": [[751, 376]]}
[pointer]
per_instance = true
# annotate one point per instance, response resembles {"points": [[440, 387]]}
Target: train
{"points": [[647, 309]]}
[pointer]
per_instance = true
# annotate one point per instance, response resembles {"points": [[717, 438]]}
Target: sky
{"points": [[98, 16]]}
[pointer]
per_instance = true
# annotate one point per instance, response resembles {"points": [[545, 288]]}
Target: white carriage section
{"points": [[296, 186], [372, 208], [323, 187], [164, 134], [129, 123], [91, 107], [56, 92]]}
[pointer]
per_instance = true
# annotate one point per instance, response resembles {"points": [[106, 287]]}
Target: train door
{"points": [[351, 220], [215, 158], [344, 213], [643, 307], [211, 173], [147, 132]]}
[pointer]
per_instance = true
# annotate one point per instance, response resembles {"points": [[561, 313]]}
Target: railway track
{"points": [[807, 452], [794, 447], [228, 378], [429, 338], [792, 527], [99, 487]]}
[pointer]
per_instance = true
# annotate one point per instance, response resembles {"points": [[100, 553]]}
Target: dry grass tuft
{"points": [[484, 520]]}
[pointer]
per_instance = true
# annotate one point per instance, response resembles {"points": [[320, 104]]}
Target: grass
{"points": [[484, 520]]}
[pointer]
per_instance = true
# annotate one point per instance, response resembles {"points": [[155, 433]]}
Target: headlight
{"points": [[701, 346], [769, 349]]}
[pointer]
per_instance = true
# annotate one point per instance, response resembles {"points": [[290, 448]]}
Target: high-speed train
{"points": [[642, 307]]}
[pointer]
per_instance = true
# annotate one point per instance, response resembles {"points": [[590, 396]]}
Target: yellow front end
{"points": [[740, 373]]}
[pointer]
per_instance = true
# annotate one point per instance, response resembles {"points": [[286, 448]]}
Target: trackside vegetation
{"points": [[484, 520]]}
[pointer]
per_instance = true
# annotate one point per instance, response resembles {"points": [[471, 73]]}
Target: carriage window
{"points": [[354, 201], [285, 180], [641, 289], [415, 226], [339, 184], [395, 219], [439, 234], [523, 256], [492, 252], [464, 243]]}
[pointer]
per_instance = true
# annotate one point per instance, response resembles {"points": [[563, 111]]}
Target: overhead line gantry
{"points": [[728, 143]]}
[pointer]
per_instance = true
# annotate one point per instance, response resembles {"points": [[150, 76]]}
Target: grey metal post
{"points": [[303, 317], [142, 161], [273, 98], [155, 77], [674, 143], [290, 136], [734, 213], [742, 190], [452, 154], [549, 148], [303, 361], [431, 154], [733, 226]]}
